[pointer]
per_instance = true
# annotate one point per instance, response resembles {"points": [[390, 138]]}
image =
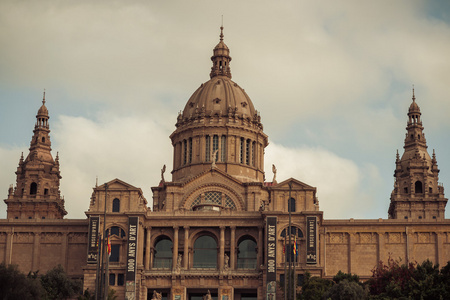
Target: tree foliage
{"points": [[15, 285], [314, 288], [409, 281], [58, 285]]}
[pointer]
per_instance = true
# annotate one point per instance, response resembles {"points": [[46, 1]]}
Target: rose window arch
{"points": [[213, 198]]}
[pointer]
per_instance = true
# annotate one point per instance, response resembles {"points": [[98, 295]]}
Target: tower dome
{"points": [[219, 121]]}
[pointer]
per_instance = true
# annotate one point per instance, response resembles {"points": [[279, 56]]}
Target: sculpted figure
{"points": [[156, 295], [226, 261], [207, 296], [274, 170], [163, 170], [214, 157]]}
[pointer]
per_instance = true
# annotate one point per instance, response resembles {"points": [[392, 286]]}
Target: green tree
{"points": [[58, 285], [410, 281], [15, 285], [348, 290], [314, 288]]}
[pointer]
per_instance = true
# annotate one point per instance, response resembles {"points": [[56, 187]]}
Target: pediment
{"points": [[117, 184], [213, 175], [296, 185]]}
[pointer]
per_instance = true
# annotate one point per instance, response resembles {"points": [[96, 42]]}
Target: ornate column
{"points": [[260, 245], [175, 247], [186, 247], [9, 246], [147, 265], [233, 248], [222, 247], [36, 254]]}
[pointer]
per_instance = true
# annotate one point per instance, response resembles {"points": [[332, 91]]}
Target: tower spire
{"points": [[417, 194], [221, 58]]}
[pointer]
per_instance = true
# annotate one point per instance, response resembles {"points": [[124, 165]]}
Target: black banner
{"points": [[92, 242], [311, 240], [130, 292], [271, 250]]}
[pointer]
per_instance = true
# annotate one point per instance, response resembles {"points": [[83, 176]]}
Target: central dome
{"points": [[219, 128]]}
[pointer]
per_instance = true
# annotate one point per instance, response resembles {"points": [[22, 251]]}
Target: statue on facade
{"points": [[179, 260], [214, 157], [207, 296], [163, 170], [274, 170], [156, 295], [226, 266]]}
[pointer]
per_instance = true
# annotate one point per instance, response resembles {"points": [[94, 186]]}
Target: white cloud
{"points": [[128, 148], [338, 181]]}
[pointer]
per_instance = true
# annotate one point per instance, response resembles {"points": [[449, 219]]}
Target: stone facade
{"points": [[207, 227]]}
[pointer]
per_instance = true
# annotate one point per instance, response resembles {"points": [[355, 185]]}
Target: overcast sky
{"points": [[331, 79]]}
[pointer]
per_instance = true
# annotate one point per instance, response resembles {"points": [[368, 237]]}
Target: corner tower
{"points": [[219, 123], [417, 193], [36, 194]]}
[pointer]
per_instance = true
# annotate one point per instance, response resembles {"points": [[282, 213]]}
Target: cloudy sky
{"points": [[332, 80]]}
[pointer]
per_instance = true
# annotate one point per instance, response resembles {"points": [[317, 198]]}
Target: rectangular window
{"points": [[115, 253], [120, 279], [207, 148], [112, 279]]}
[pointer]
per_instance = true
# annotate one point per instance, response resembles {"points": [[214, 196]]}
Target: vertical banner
{"points": [[93, 242], [311, 240], [271, 250], [130, 292]]}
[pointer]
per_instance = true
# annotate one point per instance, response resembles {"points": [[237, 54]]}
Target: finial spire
{"points": [[43, 99], [413, 96], [221, 33]]}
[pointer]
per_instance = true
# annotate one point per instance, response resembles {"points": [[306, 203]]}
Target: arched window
{"points": [[33, 188], [116, 205], [247, 254], [184, 152], [190, 151], [163, 253], [205, 252], [116, 230], [247, 152], [296, 235], [418, 187], [242, 152], [43, 139], [215, 145], [291, 205]]}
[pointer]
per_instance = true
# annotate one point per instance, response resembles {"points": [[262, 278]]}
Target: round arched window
{"points": [[205, 252], [163, 253], [247, 254]]}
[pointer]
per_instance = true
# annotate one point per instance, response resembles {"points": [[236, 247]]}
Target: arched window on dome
{"points": [[247, 255], [33, 188], [253, 154], [190, 150], [247, 152], [184, 152], [223, 148], [116, 205], [163, 253], [205, 252], [242, 150], [207, 148], [215, 145]]}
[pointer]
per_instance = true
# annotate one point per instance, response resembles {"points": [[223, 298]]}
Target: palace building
{"points": [[217, 226]]}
